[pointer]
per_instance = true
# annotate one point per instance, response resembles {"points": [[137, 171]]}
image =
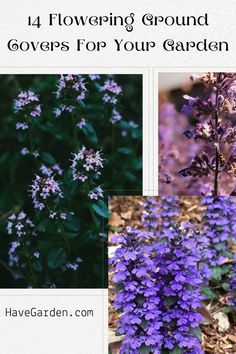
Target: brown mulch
{"points": [[125, 211]]}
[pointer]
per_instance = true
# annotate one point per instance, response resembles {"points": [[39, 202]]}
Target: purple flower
{"points": [[44, 190], [86, 164], [96, 193], [28, 103]]}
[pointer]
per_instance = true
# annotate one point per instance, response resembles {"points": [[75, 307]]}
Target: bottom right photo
{"points": [[172, 275]]}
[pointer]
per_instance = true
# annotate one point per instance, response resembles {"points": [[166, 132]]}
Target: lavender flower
{"points": [[24, 151], [71, 86], [86, 164], [27, 102], [44, 190], [96, 193], [20, 224], [94, 77], [111, 90], [49, 171], [115, 117], [22, 126], [81, 123]]}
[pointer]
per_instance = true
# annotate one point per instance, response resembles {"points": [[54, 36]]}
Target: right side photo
{"points": [[197, 133], [172, 275]]}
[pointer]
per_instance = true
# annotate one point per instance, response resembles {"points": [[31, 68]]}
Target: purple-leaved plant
{"points": [[214, 128]]}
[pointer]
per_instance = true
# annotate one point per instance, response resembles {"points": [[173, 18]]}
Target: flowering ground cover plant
{"points": [[210, 125], [168, 270], [66, 140]]}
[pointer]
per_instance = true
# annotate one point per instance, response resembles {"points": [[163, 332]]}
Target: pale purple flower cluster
{"points": [[158, 291], [49, 171], [94, 77], [86, 166], [96, 193], [71, 86], [111, 91], [28, 103], [44, 189], [20, 224], [63, 108], [58, 215]]}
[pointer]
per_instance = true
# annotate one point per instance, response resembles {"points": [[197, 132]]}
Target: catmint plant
{"points": [[215, 128]]}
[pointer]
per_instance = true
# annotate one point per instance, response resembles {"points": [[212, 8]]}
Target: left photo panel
{"points": [[67, 141]]}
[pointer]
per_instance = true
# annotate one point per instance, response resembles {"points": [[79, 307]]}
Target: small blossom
{"points": [[81, 123], [96, 193], [36, 254], [85, 164], [20, 225], [27, 102], [22, 126], [116, 117], [43, 190], [24, 151]]}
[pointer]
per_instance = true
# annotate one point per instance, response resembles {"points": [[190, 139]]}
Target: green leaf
{"points": [[144, 324], [170, 300], [37, 265], [140, 299], [136, 133], [228, 309], [89, 131], [56, 257], [216, 273], [48, 158], [72, 223], [225, 286], [144, 350], [210, 294], [125, 150], [101, 208], [196, 332], [176, 350], [219, 246]]}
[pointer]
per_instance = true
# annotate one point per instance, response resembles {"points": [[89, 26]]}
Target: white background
{"points": [[72, 336]]}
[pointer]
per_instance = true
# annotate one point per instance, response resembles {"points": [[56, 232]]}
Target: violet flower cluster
{"points": [[20, 228], [27, 102], [218, 223], [169, 210], [158, 291], [111, 92], [86, 167], [45, 191], [150, 213], [214, 128]]}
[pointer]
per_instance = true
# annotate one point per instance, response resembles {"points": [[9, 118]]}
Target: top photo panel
{"points": [[197, 133]]}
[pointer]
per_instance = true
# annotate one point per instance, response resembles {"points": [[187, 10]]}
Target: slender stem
{"points": [[216, 178], [75, 137]]}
